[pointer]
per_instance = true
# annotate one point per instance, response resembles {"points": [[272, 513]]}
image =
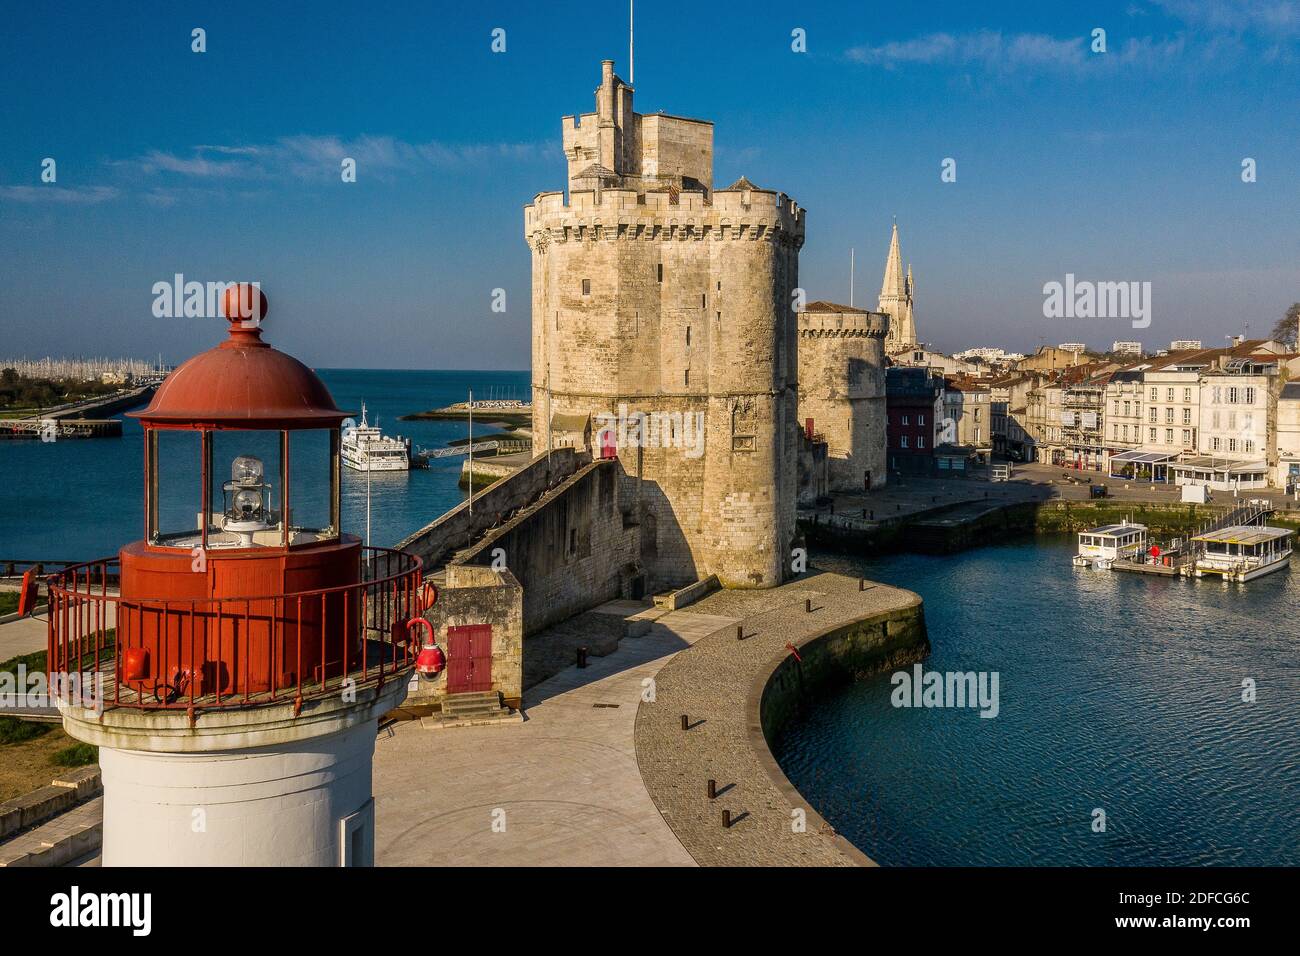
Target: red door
{"points": [[469, 658]]}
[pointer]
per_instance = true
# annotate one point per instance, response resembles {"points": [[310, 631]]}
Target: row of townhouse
{"points": [[1222, 417]]}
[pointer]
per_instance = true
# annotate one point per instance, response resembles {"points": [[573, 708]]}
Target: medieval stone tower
{"points": [[662, 301], [842, 389], [896, 299]]}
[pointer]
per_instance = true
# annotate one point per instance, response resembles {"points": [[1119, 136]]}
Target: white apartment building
{"points": [[1287, 475]]}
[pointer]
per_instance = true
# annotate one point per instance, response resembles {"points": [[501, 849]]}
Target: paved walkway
{"points": [[23, 636], [565, 783], [716, 685]]}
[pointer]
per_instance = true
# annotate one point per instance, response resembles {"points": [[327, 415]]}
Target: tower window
{"points": [[719, 285], [702, 301], [688, 336], [557, 318], [686, 377], [719, 316], [586, 287], [660, 272]]}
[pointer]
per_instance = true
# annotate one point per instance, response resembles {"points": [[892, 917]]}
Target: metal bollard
{"points": [[807, 605], [862, 584], [713, 789], [740, 632], [582, 657], [726, 819], [686, 724]]}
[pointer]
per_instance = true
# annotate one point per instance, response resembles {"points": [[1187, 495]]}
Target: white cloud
{"points": [[62, 195]]}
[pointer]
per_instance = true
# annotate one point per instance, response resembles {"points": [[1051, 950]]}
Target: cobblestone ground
{"points": [[710, 683]]}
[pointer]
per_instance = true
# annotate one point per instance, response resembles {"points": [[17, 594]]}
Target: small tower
{"points": [[896, 299], [244, 649], [842, 390]]}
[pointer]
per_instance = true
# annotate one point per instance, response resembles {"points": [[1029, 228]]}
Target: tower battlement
{"points": [[629, 214], [843, 325]]}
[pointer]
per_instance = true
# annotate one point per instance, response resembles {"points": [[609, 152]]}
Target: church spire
{"points": [[893, 284]]}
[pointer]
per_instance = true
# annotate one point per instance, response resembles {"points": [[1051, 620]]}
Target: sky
{"points": [[1117, 166]]}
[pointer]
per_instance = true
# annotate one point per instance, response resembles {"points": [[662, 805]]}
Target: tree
{"points": [[1287, 329]]}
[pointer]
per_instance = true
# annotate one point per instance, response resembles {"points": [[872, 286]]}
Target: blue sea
{"points": [[75, 500], [1118, 693]]}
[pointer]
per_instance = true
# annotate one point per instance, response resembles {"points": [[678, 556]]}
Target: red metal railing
{"points": [[203, 652]]}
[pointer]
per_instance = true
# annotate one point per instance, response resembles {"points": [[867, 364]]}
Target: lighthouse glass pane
{"points": [[246, 509], [179, 470], [310, 487]]}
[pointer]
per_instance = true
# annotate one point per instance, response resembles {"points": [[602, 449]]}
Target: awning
{"points": [[1225, 466], [570, 422], [1141, 457]]}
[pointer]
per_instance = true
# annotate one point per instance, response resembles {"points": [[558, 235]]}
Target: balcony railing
{"points": [[231, 652]]}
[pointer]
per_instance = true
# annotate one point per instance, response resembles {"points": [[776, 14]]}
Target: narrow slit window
{"points": [[659, 274], [586, 287]]}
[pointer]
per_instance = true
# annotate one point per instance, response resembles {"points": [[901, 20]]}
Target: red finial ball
{"points": [[244, 302]]}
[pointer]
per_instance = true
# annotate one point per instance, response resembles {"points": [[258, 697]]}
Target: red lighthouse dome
{"points": [[243, 383]]}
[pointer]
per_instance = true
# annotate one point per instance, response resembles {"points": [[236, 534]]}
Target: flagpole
{"points": [[471, 451]]}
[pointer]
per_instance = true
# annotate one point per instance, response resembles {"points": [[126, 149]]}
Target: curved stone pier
{"points": [[735, 693]]}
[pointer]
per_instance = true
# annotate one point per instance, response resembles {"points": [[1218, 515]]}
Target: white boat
{"points": [[1101, 547], [1241, 552], [366, 448]]}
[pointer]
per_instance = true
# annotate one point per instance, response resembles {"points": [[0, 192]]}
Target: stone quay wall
{"points": [[436, 542], [574, 550]]}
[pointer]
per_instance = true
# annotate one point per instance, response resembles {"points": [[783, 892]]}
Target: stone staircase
{"points": [[56, 825], [472, 709]]}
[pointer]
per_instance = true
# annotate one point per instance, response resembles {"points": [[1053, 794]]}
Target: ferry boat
{"points": [[1101, 547], [366, 448], [1242, 552]]}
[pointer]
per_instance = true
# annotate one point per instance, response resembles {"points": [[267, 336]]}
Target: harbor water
{"points": [[75, 500], [1117, 693]]}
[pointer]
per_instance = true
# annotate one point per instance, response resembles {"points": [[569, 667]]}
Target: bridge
{"points": [[497, 445]]}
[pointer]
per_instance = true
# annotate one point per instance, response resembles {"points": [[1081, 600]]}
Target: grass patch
{"points": [[78, 755], [8, 602], [15, 731], [35, 661]]}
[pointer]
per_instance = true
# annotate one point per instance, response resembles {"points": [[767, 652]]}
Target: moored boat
{"points": [[1241, 552], [1100, 547]]}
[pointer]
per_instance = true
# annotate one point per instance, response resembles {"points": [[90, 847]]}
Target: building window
{"points": [[1151, 414], [1187, 416], [1151, 434], [1187, 436], [1232, 444], [1247, 445], [920, 419], [1169, 394], [557, 318], [719, 318], [586, 287], [688, 336], [1250, 395], [1169, 416], [1232, 395], [719, 285], [1169, 436], [702, 301], [686, 377], [902, 440], [659, 272], [1187, 394], [920, 441], [905, 421], [1215, 444]]}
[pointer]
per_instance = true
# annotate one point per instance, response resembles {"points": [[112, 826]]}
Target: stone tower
{"points": [[896, 300], [663, 304], [842, 389]]}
